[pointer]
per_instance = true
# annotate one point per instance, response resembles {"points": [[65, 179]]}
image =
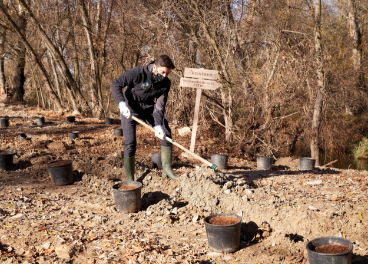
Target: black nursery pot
{"points": [[6, 160], [156, 159], [306, 163], [322, 258], [40, 121], [70, 119], [109, 121], [127, 201], [61, 172], [264, 163], [73, 134], [220, 161], [4, 122], [223, 238], [118, 131]]}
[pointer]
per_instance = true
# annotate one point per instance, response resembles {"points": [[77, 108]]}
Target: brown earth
{"points": [[281, 209], [223, 220], [127, 188], [59, 163], [332, 249]]}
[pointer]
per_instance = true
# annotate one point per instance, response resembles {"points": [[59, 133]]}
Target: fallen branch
{"points": [[328, 164], [266, 146]]}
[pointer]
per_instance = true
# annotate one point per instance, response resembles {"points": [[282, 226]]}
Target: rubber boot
{"points": [[166, 159], [129, 165]]}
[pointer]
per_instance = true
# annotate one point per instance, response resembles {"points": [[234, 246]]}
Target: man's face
{"points": [[161, 70]]}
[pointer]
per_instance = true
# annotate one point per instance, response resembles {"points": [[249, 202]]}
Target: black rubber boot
{"points": [[166, 159], [129, 165]]}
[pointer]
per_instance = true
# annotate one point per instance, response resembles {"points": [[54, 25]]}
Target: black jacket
{"points": [[142, 95]]}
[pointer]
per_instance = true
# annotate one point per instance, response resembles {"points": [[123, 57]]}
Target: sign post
{"points": [[200, 79]]}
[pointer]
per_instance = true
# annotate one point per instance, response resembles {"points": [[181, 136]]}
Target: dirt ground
{"points": [[281, 209]]}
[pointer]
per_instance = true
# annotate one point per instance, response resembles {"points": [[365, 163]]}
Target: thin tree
{"points": [[321, 89], [19, 77], [3, 94]]}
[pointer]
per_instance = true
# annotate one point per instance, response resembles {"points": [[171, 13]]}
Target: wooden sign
{"points": [[201, 73], [201, 79], [198, 83]]}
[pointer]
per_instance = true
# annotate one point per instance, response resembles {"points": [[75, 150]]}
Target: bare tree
{"points": [[35, 58], [3, 94], [19, 77], [321, 89]]}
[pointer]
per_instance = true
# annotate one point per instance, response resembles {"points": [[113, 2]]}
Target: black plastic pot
{"points": [[156, 159], [70, 119], [223, 238], [306, 163], [61, 174], [6, 160], [264, 163], [4, 122], [219, 160], [25, 136], [321, 258], [109, 121], [118, 131], [127, 201], [73, 134], [40, 121]]}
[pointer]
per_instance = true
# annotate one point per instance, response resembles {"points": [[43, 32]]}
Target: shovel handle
{"points": [[213, 166]]}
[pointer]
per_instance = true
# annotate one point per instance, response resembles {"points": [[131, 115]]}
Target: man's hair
{"points": [[164, 61]]}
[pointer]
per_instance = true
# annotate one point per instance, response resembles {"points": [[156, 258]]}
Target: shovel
{"points": [[209, 164]]}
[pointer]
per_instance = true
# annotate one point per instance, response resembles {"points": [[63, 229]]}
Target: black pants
{"points": [[129, 131]]}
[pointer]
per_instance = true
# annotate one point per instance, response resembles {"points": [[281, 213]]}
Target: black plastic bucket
{"points": [[156, 159], [306, 163], [61, 172], [219, 160], [25, 136], [223, 238], [6, 160], [109, 121], [321, 258], [264, 163], [73, 134], [4, 122], [70, 119], [40, 121], [127, 201], [118, 131]]}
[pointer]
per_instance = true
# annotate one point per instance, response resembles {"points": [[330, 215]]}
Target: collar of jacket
{"points": [[149, 70]]}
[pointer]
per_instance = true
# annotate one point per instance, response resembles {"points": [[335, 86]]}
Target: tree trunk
{"points": [[355, 36], [56, 79], [3, 94], [19, 77], [95, 75], [321, 89], [35, 57], [76, 59]]}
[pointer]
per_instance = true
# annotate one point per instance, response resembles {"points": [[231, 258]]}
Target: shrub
{"points": [[361, 151]]}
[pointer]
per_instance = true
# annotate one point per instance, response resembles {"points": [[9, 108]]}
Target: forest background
{"points": [[290, 70]]}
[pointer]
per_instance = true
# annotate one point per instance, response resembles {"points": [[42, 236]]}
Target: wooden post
{"points": [[195, 121]]}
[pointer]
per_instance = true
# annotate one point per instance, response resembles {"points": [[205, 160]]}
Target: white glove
{"points": [[124, 110], [159, 132]]}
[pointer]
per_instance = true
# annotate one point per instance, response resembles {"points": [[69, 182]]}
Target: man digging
{"points": [[145, 97]]}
